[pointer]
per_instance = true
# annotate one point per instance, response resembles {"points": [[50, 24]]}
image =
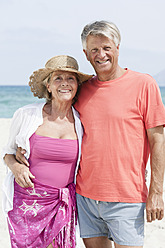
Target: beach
{"points": [[154, 232], [4, 133]]}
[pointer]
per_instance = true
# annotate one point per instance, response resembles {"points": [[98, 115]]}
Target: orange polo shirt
{"points": [[115, 149]]}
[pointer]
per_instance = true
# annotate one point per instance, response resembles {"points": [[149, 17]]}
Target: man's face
{"points": [[102, 54]]}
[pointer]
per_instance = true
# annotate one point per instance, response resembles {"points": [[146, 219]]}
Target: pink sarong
{"points": [[42, 216]]}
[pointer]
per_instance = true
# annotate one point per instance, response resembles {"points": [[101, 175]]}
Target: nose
{"points": [[101, 53], [64, 82]]}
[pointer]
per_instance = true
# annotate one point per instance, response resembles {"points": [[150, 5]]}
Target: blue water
{"points": [[14, 97], [162, 91]]}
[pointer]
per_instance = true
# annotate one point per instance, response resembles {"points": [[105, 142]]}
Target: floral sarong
{"points": [[43, 215]]}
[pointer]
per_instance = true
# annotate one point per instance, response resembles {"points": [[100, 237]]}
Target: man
{"points": [[123, 118]]}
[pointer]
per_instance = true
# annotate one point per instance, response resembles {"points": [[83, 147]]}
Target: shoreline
{"points": [[154, 232]]}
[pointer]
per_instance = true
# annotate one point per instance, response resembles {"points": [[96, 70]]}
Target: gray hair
{"points": [[104, 28]]}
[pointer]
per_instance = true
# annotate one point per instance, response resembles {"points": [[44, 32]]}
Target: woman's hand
{"points": [[21, 171]]}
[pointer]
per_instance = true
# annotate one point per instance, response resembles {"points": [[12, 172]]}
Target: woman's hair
{"points": [[104, 28], [40, 90]]}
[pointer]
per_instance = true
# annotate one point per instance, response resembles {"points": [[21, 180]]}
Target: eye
{"points": [[107, 48], [94, 50], [57, 78], [71, 78]]}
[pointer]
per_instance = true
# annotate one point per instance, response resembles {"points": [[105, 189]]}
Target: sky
{"points": [[33, 31]]}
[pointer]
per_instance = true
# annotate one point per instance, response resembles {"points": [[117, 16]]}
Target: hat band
{"points": [[71, 67]]}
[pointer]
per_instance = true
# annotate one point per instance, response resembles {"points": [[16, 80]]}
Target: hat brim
{"points": [[82, 76], [41, 74]]}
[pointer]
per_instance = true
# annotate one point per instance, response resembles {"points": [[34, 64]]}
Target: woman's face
{"points": [[63, 86]]}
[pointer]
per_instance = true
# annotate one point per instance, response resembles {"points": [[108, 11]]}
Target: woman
{"points": [[44, 215]]}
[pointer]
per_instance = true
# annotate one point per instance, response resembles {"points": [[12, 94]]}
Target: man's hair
{"points": [[104, 28]]}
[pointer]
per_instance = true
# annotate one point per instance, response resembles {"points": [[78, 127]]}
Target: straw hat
{"points": [[40, 77], [60, 63]]}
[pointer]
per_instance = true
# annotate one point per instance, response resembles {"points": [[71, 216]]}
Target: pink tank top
{"points": [[53, 161]]}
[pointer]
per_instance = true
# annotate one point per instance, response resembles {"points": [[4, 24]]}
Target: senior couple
{"points": [[123, 118]]}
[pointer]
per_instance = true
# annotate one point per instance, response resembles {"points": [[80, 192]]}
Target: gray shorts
{"points": [[122, 222]]}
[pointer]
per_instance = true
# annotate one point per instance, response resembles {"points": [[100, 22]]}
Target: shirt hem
{"points": [[114, 199]]}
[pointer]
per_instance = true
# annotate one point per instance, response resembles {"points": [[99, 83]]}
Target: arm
{"points": [[21, 172], [155, 204], [20, 156]]}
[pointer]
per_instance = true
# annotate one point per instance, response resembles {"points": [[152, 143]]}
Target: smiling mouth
{"points": [[102, 62], [64, 91]]}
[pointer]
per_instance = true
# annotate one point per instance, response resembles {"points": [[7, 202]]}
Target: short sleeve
{"points": [[153, 108]]}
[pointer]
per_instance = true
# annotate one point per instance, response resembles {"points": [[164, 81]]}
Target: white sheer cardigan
{"points": [[24, 123]]}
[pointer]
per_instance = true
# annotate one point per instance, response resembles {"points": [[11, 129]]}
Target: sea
{"points": [[14, 97]]}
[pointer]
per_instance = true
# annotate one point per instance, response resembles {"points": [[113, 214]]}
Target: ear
{"points": [[118, 49], [48, 87], [86, 54]]}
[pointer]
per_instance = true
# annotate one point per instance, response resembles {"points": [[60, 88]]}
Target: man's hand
{"points": [[20, 156], [154, 207], [22, 175], [20, 171]]}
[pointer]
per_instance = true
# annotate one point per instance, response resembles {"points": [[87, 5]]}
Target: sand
{"points": [[154, 232], [4, 132]]}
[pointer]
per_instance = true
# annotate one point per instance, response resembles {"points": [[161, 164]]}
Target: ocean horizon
{"points": [[13, 97]]}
